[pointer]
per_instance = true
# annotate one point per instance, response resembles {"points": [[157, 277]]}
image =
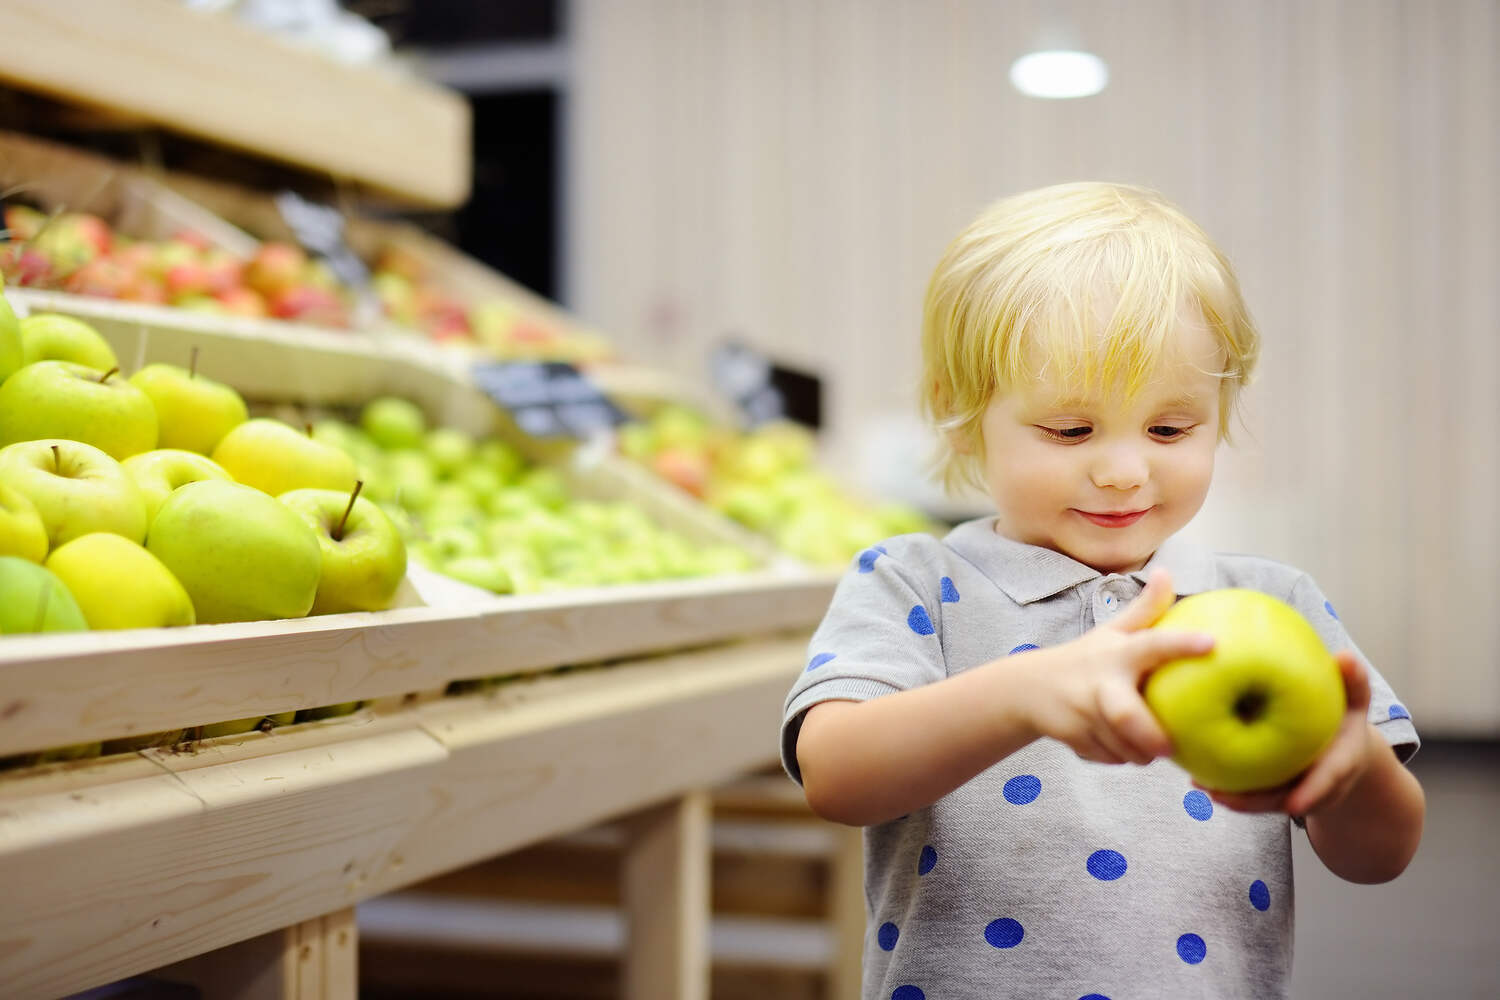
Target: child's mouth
{"points": [[1122, 519]]}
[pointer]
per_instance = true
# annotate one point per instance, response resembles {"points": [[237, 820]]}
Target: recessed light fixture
{"points": [[1059, 74]]}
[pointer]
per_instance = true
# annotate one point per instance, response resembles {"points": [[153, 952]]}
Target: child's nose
{"points": [[1120, 468]]}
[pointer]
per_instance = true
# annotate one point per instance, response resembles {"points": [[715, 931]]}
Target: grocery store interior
{"points": [[473, 406]]}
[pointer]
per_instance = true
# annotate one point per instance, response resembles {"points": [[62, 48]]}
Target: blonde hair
{"points": [[1018, 296]]}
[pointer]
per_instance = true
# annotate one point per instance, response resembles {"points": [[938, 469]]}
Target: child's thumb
{"points": [[1151, 604]]}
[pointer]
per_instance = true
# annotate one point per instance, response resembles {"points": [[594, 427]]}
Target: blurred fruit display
{"points": [[768, 480]]}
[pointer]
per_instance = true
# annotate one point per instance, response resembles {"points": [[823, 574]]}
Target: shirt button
{"points": [[1109, 601]]}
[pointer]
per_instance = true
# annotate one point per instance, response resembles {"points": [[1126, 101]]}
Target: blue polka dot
{"points": [[880, 549], [1022, 789], [1106, 866], [1023, 647], [919, 622], [950, 592], [1198, 805], [1260, 896], [819, 660], [1191, 949], [867, 559], [1328, 607], [1004, 933], [1094, 996], [926, 860], [1398, 711], [887, 935], [907, 993]]}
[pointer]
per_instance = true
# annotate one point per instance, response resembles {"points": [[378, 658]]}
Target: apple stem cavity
{"points": [[1250, 706], [105, 377], [338, 529]]}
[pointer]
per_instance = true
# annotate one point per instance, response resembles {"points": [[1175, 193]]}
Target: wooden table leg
{"points": [[846, 913], [315, 960], [666, 900]]}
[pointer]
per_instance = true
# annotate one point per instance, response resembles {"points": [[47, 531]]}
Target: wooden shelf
{"points": [[212, 77], [118, 866]]}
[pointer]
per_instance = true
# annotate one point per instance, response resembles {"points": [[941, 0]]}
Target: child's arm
{"points": [[1364, 809], [867, 762]]}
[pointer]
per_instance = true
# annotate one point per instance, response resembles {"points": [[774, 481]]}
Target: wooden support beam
{"points": [[665, 892]]}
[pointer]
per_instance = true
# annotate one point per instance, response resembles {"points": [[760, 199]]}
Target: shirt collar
{"points": [[1030, 573]]}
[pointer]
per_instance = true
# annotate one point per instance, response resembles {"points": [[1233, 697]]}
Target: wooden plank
{"points": [[115, 878], [847, 914], [340, 955], [665, 896], [221, 80], [261, 968]]}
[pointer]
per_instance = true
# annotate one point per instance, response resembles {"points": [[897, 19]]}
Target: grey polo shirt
{"points": [[1047, 875]]}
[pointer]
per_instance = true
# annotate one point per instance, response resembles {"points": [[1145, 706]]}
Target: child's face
{"points": [[1102, 480]]}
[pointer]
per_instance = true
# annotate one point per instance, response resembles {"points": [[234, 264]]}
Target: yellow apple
{"points": [[75, 487], [1258, 708], [193, 412], [22, 532], [276, 458], [118, 584], [364, 558], [12, 354], [157, 473], [50, 337], [60, 399]]}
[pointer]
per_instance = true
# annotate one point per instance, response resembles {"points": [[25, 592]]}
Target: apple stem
{"points": [[193, 363], [56, 460], [338, 530], [105, 377]]}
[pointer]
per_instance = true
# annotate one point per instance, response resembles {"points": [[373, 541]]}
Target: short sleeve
{"points": [[1387, 713], [881, 634]]}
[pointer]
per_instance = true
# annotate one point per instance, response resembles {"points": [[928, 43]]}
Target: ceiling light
{"points": [[1059, 74]]}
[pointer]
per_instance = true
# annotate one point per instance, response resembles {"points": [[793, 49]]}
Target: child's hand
{"points": [[1092, 701], [1337, 769]]}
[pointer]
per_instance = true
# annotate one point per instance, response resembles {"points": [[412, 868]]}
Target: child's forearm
{"points": [[868, 762], [1372, 833]]}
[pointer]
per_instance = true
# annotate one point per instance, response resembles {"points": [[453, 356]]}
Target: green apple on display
{"points": [[76, 488], [12, 354], [239, 554], [236, 726], [364, 558], [50, 337], [118, 584], [193, 412], [22, 532], [32, 599], [277, 458], [1258, 708], [157, 473], [392, 422], [59, 399]]}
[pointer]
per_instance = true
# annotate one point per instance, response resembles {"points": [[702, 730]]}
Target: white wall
{"points": [[791, 169]]}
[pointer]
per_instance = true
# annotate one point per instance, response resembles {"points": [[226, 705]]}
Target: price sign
{"points": [[763, 390], [320, 230], [548, 399]]}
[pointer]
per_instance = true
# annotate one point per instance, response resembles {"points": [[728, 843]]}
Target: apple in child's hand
{"points": [[277, 458], [364, 557], [157, 473], [22, 532], [1257, 709], [32, 599], [194, 412], [51, 337], [60, 399], [239, 554], [75, 487], [118, 584]]}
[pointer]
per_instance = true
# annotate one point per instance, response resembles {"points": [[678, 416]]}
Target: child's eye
{"points": [[1166, 432], [1066, 433]]}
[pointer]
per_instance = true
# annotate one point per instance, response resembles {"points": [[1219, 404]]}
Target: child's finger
{"points": [[1150, 604], [1127, 715], [1269, 800], [1356, 681], [1158, 646]]}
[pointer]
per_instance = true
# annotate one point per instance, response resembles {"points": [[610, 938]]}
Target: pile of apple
{"points": [[79, 253], [768, 480], [477, 511]]}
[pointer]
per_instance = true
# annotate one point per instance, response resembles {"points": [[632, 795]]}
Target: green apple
{"points": [[22, 532], [76, 488], [160, 471], [364, 558], [130, 744], [118, 584], [328, 711], [450, 449], [50, 337], [276, 458], [33, 599], [60, 399], [408, 478], [480, 571], [502, 457], [1258, 708], [236, 726], [12, 354], [394, 423], [193, 413], [239, 554]]}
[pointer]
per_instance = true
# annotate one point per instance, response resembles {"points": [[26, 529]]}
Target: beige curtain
{"points": [[790, 170]]}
